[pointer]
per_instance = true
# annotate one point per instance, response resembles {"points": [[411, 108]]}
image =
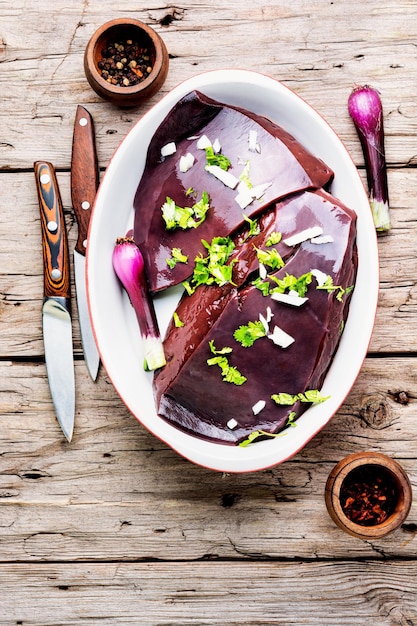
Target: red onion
{"points": [[365, 109], [129, 266]]}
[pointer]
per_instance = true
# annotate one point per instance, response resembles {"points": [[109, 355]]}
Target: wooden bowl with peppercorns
{"points": [[126, 61]]}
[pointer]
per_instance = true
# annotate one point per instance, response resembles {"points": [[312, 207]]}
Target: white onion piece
{"points": [[258, 407], [287, 298], [244, 198], [186, 162], [263, 272], [168, 149], [216, 145], [225, 177], [203, 143], [232, 423], [281, 338], [253, 143], [259, 190], [322, 239], [303, 235], [264, 322]]}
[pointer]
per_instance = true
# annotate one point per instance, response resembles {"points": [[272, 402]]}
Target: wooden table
{"points": [[115, 528]]}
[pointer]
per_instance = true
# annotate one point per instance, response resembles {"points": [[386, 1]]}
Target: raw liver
{"points": [[282, 161], [193, 396]]}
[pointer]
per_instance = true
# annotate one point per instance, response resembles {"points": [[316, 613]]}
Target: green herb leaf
{"points": [[252, 437], [338, 289], [292, 283], [313, 396], [284, 399], [177, 322], [248, 334], [176, 257], [230, 374], [214, 268], [291, 419], [262, 285], [273, 239], [175, 216], [270, 258], [219, 159], [254, 228], [214, 350]]}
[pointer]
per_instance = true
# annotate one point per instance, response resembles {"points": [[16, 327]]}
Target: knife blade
{"points": [[56, 317], [84, 184]]}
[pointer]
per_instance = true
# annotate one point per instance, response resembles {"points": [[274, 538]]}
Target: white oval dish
{"points": [[114, 322]]}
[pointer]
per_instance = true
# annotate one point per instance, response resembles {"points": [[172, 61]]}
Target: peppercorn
{"points": [[124, 63]]}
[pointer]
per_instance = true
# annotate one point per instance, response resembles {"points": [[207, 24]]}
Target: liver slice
{"points": [[192, 395], [282, 161]]}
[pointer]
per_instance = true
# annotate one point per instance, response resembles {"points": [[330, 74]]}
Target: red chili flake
{"points": [[125, 63], [368, 495]]}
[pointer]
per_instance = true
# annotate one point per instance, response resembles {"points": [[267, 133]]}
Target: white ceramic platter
{"points": [[114, 322]]}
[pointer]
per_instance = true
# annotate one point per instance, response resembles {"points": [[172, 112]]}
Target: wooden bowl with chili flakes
{"points": [[126, 61], [368, 495]]}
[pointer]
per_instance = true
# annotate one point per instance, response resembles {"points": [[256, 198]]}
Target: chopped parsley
{"points": [[176, 257], [229, 373], [262, 285], [292, 283], [177, 321], [313, 396], [256, 434], [213, 268], [214, 158], [254, 228], [270, 258], [274, 238], [291, 419], [338, 289], [248, 334], [175, 216]]}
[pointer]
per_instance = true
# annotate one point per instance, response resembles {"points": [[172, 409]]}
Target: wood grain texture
{"points": [[209, 594], [115, 528]]}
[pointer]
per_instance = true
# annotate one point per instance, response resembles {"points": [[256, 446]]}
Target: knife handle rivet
{"points": [[56, 274], [52, 226], [85, 205], [45, 179], [83, 121]]}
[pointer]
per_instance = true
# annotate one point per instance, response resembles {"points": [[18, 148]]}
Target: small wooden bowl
{"points": [[119, 30], [385, 468]]}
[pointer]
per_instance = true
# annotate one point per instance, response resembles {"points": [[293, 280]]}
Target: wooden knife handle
{"points": [[84, 173], [54, 234]]}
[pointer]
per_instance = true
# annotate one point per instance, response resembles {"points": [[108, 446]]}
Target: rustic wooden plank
{"points": [[209, 594], [117, 493], [311, 51], [21, 267]]}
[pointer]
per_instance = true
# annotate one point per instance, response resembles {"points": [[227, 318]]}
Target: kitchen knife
{"points": [[56, 317], [84, 184]]}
